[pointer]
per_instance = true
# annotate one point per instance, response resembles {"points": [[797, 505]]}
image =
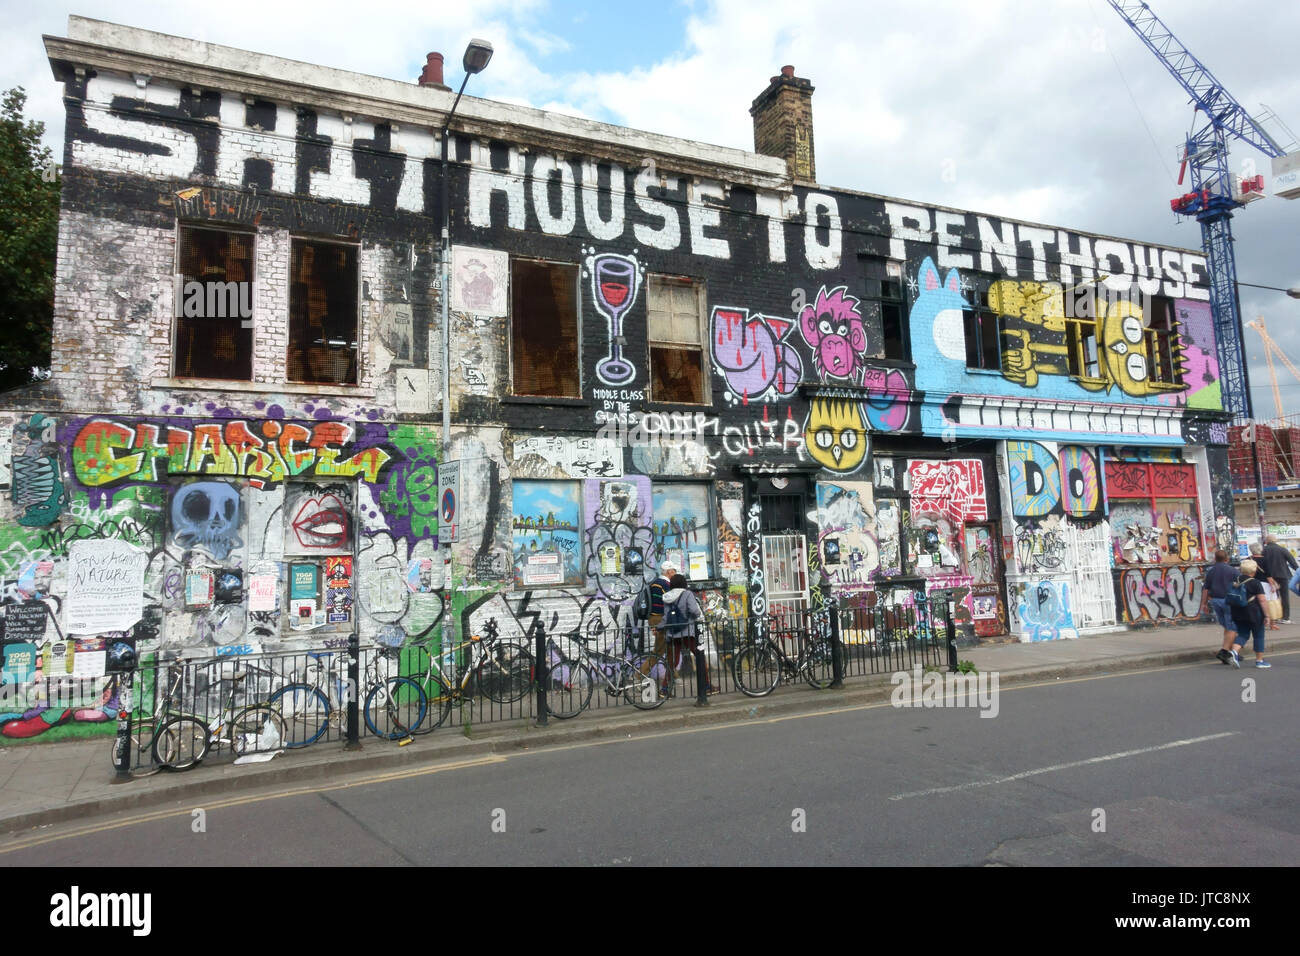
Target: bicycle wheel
{"points": [[140, 740], [437, 702], [180, 743], [395, 708], [644, 679], [758, 669], [569, 687], [506, 673], [306, 713], [257, 729], [817, 664]]}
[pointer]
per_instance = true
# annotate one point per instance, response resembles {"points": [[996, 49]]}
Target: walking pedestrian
{"points": [[1249, 620], [1278, 565], [1218, 580], [657, 588], [682, 613]]}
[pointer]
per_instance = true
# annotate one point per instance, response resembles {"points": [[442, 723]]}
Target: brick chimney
{"points": [[783, 124], [431, 75]]}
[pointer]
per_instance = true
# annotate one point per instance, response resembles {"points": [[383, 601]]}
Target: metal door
{"points": [[1093, 601], [785, 569]]}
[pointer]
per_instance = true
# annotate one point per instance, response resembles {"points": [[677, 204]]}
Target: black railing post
{"points": [[837, 649], [354, 688], [126, 704], [543, 674], [951, 630]]}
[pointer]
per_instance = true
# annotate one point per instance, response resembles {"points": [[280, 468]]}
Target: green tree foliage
{"points": [[29, 229]]}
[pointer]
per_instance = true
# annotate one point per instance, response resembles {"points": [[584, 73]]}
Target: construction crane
{"points": [[1216, 117], [1271, 348]]}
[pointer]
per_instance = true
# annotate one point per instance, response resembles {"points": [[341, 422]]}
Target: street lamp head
{"points": [[1294, 293], [477, 56]]}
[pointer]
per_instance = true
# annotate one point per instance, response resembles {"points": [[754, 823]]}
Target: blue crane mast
{"points": [[1217, 115]]}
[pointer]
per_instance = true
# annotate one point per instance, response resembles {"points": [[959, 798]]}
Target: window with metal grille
{"points": [[983, 346], [676, 333], [544, 329], [782, 513], [212, 345], [323, 313]]}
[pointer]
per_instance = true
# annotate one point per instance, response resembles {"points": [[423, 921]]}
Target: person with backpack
{"points": [[651, 603], [1246, 599], [1218, 581], [682, 611], [1278, 564]]}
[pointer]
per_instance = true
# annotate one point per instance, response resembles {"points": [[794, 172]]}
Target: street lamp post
{"points": [[477, 55]]}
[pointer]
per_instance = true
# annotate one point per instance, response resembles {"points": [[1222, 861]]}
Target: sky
{"points": [[1053, 112]]}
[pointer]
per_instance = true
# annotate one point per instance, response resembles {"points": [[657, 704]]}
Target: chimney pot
{"points": [[787, 71], [431, 75]]}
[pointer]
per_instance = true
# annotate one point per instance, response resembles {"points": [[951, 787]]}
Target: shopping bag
{"points": [[1273, 602]]}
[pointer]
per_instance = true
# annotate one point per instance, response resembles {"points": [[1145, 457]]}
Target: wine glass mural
{"points": [[615, 282]]}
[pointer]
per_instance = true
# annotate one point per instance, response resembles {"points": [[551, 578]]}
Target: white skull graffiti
{"points": [[207, 514]]}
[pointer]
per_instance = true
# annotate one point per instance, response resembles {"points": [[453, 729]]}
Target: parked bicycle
{"points": [[144, 727], [644, 680], [501, 671], [182, 742], [763, 662], [310, 705]]}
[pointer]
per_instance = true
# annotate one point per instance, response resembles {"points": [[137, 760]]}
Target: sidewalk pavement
{"points": [[41, 784]]}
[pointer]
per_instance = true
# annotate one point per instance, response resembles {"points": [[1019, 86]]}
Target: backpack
{"points": [[1237, 596], [641, 607], [676, 623]]}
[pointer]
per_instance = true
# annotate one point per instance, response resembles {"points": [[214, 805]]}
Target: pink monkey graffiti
{"points": [[833, 327]]}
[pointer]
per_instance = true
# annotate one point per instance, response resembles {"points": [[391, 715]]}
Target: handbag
{"points": [[1273, 603]]}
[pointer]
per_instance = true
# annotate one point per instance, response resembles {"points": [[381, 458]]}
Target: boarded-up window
{"points": [[212, 339], [323, 313], [676, 336], [544, 328]]}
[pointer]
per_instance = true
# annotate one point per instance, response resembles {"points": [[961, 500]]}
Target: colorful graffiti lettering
{"points": [[952, 488], [109, 453], [1162, 595]]}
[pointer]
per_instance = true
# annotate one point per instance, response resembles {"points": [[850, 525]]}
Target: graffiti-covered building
{"points": [[658, 349]]}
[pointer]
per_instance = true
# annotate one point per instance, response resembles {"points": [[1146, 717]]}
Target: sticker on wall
{"points": [[479, 280], [262, 590], [699, 566], [338, 571], [229, 586], [338, 605], [199, 588], [304, 582], [34, 578], [633, 562], [420, 573], [105, 586], [58, 659], [304, 616]]}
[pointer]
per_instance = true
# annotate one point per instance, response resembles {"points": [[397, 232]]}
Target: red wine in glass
{"points": [[614, 284]]}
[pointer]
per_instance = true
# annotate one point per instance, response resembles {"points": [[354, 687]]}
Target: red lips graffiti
{"points": [[322, 523]]}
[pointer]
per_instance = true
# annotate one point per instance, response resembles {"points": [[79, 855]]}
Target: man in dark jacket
{"points": [[1218, 581], [1278, 565]]}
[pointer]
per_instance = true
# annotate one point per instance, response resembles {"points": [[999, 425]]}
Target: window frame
{"points": [[976, 319], [295, 238], [580, 579], [1161, 343], [710, 518], [174, 340], [577, 320], [700, 288], [893, 271]]}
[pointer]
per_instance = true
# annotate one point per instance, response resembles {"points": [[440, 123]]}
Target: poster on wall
{"points": [[105, 586], [91, 656], [731, 556], [338, 589], [19, 663], [699, 569], [198, 588], [304, 582], [26, 621], [479, 280], [262, 592], [303, 615], [543, 569], [423, 575]]}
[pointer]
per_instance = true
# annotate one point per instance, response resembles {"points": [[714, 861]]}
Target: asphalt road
{"points": [[1185, 772]]}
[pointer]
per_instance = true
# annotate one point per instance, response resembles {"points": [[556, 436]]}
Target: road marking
{"points": [[25, 843], [1062, 766]]}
